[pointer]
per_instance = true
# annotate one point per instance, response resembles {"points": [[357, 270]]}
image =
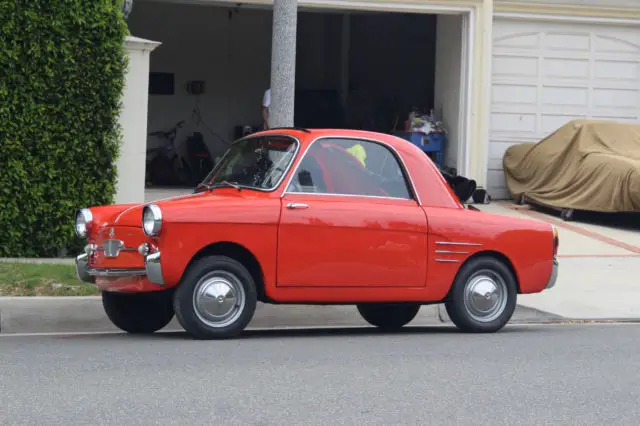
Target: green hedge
{"points": [[62, 65]]}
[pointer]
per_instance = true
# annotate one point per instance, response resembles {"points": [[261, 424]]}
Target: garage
{"points": [[546, 73], [358, 69]]}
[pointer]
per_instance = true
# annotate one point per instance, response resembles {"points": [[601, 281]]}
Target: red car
{"points": [[297, 216]]}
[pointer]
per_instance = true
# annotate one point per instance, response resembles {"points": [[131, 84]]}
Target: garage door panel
{"points": [[551, 122], [513, 66], [591, 83], [615, 98], [570, 68], [495, 181], [513, 93], [615, 43], [517, 40], [628, 71], [566, 41], [553, 96], [513, 122], [546, 74], [497, 150]]}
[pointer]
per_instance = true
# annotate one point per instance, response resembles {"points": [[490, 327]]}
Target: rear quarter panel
{"points": [[527, 244]]}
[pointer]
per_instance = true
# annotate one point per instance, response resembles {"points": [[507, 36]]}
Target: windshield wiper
{"points": [[226, 182], [201, 187]]}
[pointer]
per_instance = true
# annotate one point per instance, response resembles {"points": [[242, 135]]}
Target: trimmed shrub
{"points": [[62, 67]]}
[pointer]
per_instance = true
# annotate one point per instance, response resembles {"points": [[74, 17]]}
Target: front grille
{"points": [[117, 247]]}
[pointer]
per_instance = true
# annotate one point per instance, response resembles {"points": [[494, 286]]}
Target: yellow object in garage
{"points": [[358, 151]]}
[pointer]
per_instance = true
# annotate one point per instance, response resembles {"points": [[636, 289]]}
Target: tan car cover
{"points": [[584, 165]]}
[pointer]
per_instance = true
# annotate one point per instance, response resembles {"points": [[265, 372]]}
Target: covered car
{"points": [[584, 165]]}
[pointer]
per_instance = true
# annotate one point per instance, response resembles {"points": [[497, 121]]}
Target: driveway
{"points": [[599, 259]]}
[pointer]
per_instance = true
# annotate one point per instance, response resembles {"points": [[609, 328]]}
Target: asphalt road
{"points": [[524, 375]]}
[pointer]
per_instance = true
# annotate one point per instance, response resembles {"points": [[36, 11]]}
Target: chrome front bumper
{"points": [[152, 270], [554, 275]]}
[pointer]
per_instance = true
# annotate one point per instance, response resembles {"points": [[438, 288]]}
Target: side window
{"points": [[309, 177], [351, 167]]}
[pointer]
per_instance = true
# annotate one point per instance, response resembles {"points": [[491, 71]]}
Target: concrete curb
{"points": [[85, 314], [48, 261], [71, 314]]}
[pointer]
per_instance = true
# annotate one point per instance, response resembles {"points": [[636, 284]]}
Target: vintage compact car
{"points": [[297, 216]]}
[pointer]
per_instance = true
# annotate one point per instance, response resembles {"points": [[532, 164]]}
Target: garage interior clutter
{"points": [[395, 73]]}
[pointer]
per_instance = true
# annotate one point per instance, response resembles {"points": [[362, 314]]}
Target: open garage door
{"points": [[545, 74]]}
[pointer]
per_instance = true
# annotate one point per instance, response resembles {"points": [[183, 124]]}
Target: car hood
{"points": [[132, 215]]}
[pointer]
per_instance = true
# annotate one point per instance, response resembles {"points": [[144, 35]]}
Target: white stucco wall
{"points": [[133, 119]]}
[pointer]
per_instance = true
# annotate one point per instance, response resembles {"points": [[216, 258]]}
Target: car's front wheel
{"points": [[388, 316], [216, 298], [138, 313], [483, 296]]}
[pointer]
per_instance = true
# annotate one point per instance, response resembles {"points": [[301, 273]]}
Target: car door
{"points": [[340, 228]]}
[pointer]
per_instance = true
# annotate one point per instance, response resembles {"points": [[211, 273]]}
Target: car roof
{"points": [[307, 135], [421, 170]]}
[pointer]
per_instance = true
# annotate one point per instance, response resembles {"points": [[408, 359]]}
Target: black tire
{"points": [[195, 320], [139, 313], [388, 316], [460, 307]]}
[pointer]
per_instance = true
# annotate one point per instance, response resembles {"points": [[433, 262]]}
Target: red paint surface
{"points": [[340, 249]]}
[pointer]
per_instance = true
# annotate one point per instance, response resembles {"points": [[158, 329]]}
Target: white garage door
{"points": [[545, 74]]}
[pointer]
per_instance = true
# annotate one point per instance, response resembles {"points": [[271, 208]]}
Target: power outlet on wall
{"points": [[195, 87]]}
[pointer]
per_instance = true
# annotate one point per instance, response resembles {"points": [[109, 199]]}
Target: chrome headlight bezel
{"points": [[151, 220], [83, 222]]}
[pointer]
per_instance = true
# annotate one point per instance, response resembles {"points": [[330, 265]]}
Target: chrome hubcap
{"points": [[219, 299], [485, 296]]}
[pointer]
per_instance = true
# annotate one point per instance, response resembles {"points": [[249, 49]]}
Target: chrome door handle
{"points": [[297, 206]]}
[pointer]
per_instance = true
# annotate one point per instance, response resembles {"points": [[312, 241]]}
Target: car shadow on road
{"points": [[321, 332]]}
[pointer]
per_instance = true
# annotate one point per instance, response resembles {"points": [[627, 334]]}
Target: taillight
{"points": [[556, 241]]}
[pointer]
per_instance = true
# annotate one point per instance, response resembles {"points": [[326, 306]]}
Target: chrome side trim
{"points": [[407, 174], [82, 268], [154, 268], [447, 260], [451, 252], [554, 275], [456, 243]]}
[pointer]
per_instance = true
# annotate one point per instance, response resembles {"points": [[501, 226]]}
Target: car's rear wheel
{"points": [[483, 296], [388, 316], [216, 298], [139, 313]]}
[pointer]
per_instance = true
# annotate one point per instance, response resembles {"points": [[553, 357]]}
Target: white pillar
{"points": [[133, 120], [283, 62]]}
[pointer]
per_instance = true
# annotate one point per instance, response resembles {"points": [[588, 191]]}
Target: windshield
{"points": [[255, 162]]}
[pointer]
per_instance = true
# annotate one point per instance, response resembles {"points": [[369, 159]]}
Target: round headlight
{"points": [[83, 222], [151, 220]]}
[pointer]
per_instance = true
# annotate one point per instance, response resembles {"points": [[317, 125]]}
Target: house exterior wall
{"points": [[483, 12], [558, 62]]}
